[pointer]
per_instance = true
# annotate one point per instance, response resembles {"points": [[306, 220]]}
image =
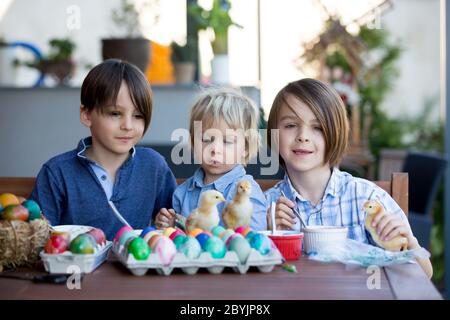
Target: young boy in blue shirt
{"points": [[310, 121], [223, 130], [76, 187]]}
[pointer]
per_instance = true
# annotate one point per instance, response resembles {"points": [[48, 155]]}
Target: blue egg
{"points": [[261, 243], [145, 231], [249, 235], [201, 238]]}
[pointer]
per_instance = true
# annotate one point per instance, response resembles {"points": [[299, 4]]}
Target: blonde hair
{"points": [[232, 106], [327, 106]]}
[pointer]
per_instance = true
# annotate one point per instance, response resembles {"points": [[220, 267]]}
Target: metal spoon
{"points": [[296, 212]]}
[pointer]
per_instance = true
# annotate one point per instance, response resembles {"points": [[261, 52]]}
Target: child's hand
{"points": [[389, 226], [284, 216], [165, 218]]}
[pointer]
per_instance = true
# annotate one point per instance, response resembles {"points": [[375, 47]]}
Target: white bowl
{"points": [[317, 237]]}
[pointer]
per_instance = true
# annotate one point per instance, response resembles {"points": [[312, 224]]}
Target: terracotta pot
{"points": [[184, 72]]}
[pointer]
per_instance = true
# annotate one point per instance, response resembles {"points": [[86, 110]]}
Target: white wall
{"points": [[414, 23]]}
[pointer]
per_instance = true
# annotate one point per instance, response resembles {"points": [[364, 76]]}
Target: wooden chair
{"points": [[397, 187]]}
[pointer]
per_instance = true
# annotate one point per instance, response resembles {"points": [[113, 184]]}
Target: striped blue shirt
{"points": [[341, 204], [187, 195]]}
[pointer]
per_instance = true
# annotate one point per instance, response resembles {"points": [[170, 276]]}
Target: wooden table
{"points": [[314, 280]]}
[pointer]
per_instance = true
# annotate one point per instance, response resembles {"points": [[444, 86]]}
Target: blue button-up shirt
{"points": [[341, 204], [187, 195], [69, 191]]}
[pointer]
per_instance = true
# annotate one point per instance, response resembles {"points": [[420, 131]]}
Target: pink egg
{"points": [[243, 230], [121, 231], [166, 250], [176, 233]]}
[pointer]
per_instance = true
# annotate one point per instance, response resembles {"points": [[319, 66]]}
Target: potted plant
{"points": [[219, 20], [59, 63], [183, 58], [132, 46]]}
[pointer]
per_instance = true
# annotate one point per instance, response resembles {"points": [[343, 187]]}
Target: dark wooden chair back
{"points": [[397, 187]]}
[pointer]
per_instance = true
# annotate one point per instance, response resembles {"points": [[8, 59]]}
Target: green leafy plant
{"points": [[126, 17], [186, 53], [59, 61], [218, 19]]}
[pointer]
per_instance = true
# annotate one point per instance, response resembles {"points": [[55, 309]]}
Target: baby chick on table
{"points": [[398, 243], [239, 211], [206, 215]]}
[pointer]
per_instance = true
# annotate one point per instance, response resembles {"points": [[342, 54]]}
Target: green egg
{"points": [[83, 244], [178, 240], [33, 208], [216, 247], [139, 249], [217, 230]]}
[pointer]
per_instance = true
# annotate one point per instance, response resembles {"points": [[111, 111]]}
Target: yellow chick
{"points": [[398, 243], [206, 215], [239, 211]]}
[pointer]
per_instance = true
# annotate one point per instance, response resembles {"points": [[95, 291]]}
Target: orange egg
{"points": [[152, 242], [195, 232], [8, 199]]}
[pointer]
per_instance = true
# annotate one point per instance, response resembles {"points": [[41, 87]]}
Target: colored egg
{"points": [[153, 240], [15, 212], [249, 235], [125, 236], [98, 235], [261, 243], [235, 235], [176, 233], [217, 230], [120, 232], [195, 232], [8, 199], [150, 234], [21, 199], [166, 250], [243, 230], [168, 231], [202, 237], [33, 208], [226, 234], [241, 247], [216, 247], [139, 249], [191, 248], [57, 243], [145, 231], [178, 240], [83, 244]]}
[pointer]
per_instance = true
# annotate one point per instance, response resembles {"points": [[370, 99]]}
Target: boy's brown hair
{"points": [[327, 106], [102, 84]]}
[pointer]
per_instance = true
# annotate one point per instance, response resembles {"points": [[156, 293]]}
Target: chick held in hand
{"points": [[206, 215], [239, 211], [373, 208]]}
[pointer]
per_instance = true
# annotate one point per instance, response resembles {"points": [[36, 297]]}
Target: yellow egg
{"points": [[168, 231], [8, 199]]}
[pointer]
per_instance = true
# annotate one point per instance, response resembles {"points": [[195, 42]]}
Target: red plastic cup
{"points": [[289, 245]]}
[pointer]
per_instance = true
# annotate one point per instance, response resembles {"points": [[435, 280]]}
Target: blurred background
{"points": [[385, 58]]}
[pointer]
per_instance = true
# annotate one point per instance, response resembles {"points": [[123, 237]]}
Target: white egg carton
{"points": [[68, 262], [264, 263]]}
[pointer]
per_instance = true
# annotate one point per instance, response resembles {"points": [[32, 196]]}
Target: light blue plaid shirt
{"points": [[187, 195], [341, 204]]}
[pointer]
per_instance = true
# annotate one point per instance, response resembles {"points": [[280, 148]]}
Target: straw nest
{"points": [[21, 242]]}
